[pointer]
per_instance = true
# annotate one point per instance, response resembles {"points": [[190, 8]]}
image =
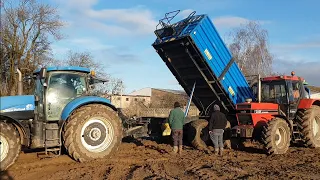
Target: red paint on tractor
{"points": [[306, 103], [257, 106], [259, 119]]}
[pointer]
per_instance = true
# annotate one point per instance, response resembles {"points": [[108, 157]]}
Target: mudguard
{"points": [[81, 101], [307, 103]]}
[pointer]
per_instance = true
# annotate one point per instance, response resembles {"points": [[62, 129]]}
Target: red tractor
{"points": [[284, 114]]}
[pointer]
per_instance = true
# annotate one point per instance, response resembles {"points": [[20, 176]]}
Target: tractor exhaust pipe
{"points": [[20, 85], [259, 88]]}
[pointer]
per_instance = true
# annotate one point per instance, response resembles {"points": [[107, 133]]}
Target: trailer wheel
{"points": [[276, 136], [92, 132], [10, 145], [309, 120]]}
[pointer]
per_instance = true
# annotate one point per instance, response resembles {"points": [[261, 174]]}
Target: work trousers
{"points": [[216, 137], [177, 135]]}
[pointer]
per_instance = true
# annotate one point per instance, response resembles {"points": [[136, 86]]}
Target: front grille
{"points": [[245, 119]]}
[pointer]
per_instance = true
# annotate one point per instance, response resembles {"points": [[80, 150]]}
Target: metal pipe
{"points": [[259, 88], [20, 85], [190, 99]]}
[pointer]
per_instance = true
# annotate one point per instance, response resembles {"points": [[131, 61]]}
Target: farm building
{"points": [[150, 97]]}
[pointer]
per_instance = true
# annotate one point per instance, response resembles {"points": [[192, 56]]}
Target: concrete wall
{"points": [[125, 101], [315, 96]]}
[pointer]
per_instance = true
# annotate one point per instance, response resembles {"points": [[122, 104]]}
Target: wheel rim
{"points": [[97, 135], [4, 148], [280, 137], [316, 127]]}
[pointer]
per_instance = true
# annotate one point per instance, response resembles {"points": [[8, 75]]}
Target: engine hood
{"points": [[17, 103]]}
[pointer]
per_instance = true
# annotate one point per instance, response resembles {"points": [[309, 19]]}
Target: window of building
{"points": [[135, 99], [118, 98], [127, 99]]}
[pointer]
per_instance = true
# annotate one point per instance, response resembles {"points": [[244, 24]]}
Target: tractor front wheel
{"points": [[309, 120], [10, 145], [92, 132], [276, 136]]}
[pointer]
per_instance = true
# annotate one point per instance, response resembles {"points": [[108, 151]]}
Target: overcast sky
{"points": [[120, 33]]}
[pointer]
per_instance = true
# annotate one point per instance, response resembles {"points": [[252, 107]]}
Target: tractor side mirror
{"points": [[43, 73]]}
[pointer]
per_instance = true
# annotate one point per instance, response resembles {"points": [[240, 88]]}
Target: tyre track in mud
{"points": [[149, 160]]}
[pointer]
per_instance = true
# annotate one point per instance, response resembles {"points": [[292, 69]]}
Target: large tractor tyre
{"points": [[309, 121], [227, 136], [276, 136], [92, 132], [201, 136], [10, 145], [197, 126]]}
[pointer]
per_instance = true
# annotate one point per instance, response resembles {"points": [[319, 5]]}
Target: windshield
{"points": [[62, 88], [274, 91]]}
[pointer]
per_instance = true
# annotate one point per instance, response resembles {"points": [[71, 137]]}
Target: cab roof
{"points": [[275, 78], [65, 68]]}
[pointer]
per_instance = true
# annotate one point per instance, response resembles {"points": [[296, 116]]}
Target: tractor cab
{"points": [[286, 91], [55, 87]]}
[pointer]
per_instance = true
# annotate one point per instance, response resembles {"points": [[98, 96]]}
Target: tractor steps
{"points": [[296, 134]]}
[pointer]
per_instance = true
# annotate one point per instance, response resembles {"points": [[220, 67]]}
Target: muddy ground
{"points": [[146, 159]]}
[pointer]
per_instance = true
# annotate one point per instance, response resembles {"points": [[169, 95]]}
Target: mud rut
{"points": [[145, 159]]}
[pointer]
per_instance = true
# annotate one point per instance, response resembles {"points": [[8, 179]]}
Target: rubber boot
{"points": [[221, 152], [175, 149], [180, 149], [216, 151]]}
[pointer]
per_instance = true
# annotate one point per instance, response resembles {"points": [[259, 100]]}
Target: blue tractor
{"points": [[60, 113]]}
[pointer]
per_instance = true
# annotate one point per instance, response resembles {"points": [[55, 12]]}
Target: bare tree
{"points": [[85, 59], [26, 26], [250, 49]]}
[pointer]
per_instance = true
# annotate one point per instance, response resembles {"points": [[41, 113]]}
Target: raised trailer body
{"points": [[194, 52]]}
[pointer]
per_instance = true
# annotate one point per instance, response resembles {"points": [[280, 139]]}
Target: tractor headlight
{"points": [[52, 97]]}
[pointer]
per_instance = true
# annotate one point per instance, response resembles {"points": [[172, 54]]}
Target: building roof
{"points": [[141, 92], [147, 91], [172, 91]]}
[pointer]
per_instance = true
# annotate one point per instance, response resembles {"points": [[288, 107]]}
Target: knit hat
{"points": [[216, 107]]}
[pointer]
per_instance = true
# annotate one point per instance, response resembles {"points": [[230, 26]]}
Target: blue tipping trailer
{"points": [[195, 53]]}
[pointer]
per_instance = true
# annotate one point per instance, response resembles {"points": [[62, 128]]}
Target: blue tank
{"points": [[194, 52]]}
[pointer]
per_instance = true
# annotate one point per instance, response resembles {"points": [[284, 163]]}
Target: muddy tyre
{"points": [[10, 145], [92, 132], [227, 136], [201, 136], [309, 121], [276, 136]]}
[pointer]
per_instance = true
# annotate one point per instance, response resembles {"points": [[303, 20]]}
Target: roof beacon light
{"points": [[93, 73]]}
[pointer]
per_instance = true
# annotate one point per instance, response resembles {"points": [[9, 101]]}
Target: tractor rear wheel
{"points": [[276, 136], [10, 145], [309, 120], [91, 132]]}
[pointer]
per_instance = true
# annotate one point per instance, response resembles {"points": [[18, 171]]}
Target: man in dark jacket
{"points": [[217, 124], [176, 122]]}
